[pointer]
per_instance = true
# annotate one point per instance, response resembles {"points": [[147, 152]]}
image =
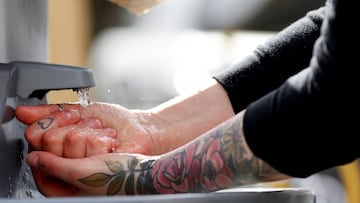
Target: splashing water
{"points": [[83, 94]]}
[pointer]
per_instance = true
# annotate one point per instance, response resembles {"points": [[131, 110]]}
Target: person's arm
{"points": [[218, 159], [192, 114], [310, 123], [153, 131]]}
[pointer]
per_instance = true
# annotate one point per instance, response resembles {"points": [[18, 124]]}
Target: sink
{"points": [[242, 195]]}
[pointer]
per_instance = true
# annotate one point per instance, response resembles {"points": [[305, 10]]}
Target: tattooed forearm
{"points": [[247, 167], [217, 160]]}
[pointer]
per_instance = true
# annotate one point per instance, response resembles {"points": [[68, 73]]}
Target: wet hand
{"points": [[104, 174], [65, 134], [76, 131]]}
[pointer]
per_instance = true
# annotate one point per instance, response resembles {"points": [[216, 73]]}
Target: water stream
{"points": [[83, 94]]}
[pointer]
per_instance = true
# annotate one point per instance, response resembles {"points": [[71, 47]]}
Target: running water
{"points": [[83, 94]]}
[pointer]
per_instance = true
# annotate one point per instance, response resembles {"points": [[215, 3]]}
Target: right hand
{"points": [[106, 126]]}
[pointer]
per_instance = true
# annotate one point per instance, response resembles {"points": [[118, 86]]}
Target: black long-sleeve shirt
{"points": [[300, 92]]}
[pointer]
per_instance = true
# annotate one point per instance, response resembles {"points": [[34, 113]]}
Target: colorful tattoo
{"points": [[45, 123], [217, 160]]}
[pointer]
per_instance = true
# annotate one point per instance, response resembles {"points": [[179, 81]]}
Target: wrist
{"points": [[190, 115]]}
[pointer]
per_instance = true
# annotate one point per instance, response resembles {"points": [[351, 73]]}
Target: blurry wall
{"points": [[70, 35], [138, 59], [23, 34], [264, 15]]}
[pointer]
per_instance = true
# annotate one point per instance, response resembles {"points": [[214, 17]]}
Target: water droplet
{"points": [[25, 178], [29, 193]]}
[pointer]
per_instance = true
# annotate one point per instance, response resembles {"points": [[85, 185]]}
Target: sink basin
{"points": [[248, 195]]}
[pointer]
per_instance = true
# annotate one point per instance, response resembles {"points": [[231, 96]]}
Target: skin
{"points": [[218, 159], [80, 151], [151, 132], [71, 141]]}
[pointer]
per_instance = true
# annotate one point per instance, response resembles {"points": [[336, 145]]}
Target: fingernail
{"points": [[72, 114], [33, 160]]}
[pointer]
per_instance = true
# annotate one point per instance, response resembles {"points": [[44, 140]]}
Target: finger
{"points": [[101, 144], [70, 170], [51, 165], [105, 112], [30, 114], [53, 140], [34, 133], [51, 186], [83, 142]]}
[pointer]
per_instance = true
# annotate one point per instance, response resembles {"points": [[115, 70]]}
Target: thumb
{"points": [[67, 170], [51, 164]]}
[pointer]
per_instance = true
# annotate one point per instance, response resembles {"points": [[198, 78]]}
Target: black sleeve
{"points": [[271, 64], [309, 123]]}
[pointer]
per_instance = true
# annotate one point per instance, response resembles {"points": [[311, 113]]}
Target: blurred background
{"points": [[141, 61]]}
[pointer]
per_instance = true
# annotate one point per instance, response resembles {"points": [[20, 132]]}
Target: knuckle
{"points": [[72, 138], [50, 139]]}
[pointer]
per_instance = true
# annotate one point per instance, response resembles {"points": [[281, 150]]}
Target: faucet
{"points": [[27, 83], [34, 79]]}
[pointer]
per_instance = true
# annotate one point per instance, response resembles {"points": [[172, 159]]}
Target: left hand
{"points": [[103, 174]]}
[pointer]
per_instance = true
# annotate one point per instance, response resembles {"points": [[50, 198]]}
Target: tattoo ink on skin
{"points": [[122, 178], [45, 123], [218, 160]]}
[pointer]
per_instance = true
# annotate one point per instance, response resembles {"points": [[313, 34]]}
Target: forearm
{"points": [[192, 114], [218, 159]]}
